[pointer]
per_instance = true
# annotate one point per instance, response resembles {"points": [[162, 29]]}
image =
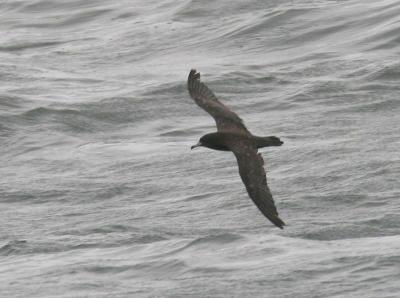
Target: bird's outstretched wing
{"points": [[252, 172], [225, 119]]}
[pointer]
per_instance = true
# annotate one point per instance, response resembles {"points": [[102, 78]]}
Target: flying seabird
{"points": [[232, 135]]}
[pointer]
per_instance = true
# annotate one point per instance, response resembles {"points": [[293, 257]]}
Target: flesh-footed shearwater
{"points": [[233, 136]]}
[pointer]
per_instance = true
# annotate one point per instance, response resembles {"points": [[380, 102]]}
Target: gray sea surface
{"points": [[101, 196]]}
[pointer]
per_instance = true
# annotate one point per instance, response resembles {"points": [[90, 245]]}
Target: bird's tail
{"points": [[267, 141]]}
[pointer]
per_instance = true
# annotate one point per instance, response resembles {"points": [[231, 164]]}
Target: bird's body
{"points": [[232, 135], [220, 140]]}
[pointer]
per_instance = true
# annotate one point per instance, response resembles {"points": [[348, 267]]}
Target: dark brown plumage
{"points": [[232, 135]]}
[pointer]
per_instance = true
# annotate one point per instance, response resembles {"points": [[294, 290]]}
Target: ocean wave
{"points": [[102, 195]]}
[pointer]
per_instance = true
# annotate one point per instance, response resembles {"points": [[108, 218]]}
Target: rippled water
{"points": [[101, 196]]}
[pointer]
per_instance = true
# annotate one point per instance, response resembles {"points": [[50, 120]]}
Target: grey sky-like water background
{"points": [[100, 195]]}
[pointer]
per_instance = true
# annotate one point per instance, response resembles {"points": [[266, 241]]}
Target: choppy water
{"points": [[100, 195]]}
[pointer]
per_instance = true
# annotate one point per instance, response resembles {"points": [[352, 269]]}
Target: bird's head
{"points": [[203, 142]]}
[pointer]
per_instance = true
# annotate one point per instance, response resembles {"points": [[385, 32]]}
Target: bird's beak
{"points": [[197, 145]]}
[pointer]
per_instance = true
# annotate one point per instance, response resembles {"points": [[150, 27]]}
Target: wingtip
{"points": [[193, 75], [278, 222]]}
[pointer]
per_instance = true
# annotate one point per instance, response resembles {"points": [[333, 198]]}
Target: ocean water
{"points": [[101, 196]]}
